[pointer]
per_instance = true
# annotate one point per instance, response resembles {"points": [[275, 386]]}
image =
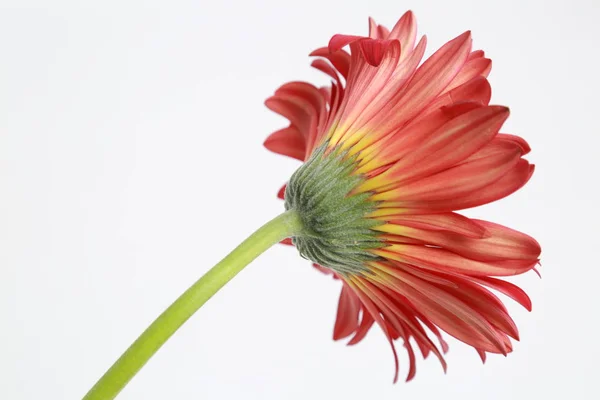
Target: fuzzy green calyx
{"points": [[337, 232]]}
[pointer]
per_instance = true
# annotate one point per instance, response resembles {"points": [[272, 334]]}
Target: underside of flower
{"points": [[391, 150], [338, 233]]}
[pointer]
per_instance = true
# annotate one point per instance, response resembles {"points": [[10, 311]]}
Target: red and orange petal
{"points": [[428, 144]]}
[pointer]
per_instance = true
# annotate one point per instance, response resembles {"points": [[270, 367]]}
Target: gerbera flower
{"points": [[391, 150]]}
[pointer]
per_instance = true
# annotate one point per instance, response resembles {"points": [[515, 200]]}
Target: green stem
{"points": [[114, 380]]}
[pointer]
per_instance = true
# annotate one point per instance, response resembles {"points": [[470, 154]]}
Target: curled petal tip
{"points": [[374, 50], [318, 52], [338, 41]]}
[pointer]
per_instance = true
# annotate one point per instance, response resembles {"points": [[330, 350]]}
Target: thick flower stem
{"points": [[114, 380]]}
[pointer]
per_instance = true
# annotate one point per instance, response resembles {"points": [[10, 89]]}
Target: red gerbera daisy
{"points": [[391, 150]]}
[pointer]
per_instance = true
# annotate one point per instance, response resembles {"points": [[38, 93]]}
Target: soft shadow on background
{"points": [[131, 161]]}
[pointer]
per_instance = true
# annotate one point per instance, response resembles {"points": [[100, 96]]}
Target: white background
{"points": [[131, 161]]}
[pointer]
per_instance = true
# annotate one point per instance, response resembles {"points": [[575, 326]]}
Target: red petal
{"points": [[324, 66], [366, 86], [461, 180], [477, 90], [418, 272], [323, 270], [500, 145], [281, 192], [451, 314], [300, 116], [397, 146], [484, 302], [447, 222], [382, 32], [396, 307], [340, 59], [309, 108], [435, 331], [500, 243], [372, 309], [377, 31], [481, 355], [405, 31], [476, 54], [450, 144], [512, 181], [433, 76], [346, 321], [375, 91], [374, 50], [516, 140], [446, 261], [409, 62], [366, 323], [425, 85], [338, 41], [392, 238], [288, 142], [508, 289], [471, 70], [503, 243], [372, 29]]}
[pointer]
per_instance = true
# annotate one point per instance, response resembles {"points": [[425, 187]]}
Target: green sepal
{"points": [[337, 232]]}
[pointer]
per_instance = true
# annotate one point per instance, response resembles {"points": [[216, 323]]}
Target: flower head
{"points": [[391, 150]]}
